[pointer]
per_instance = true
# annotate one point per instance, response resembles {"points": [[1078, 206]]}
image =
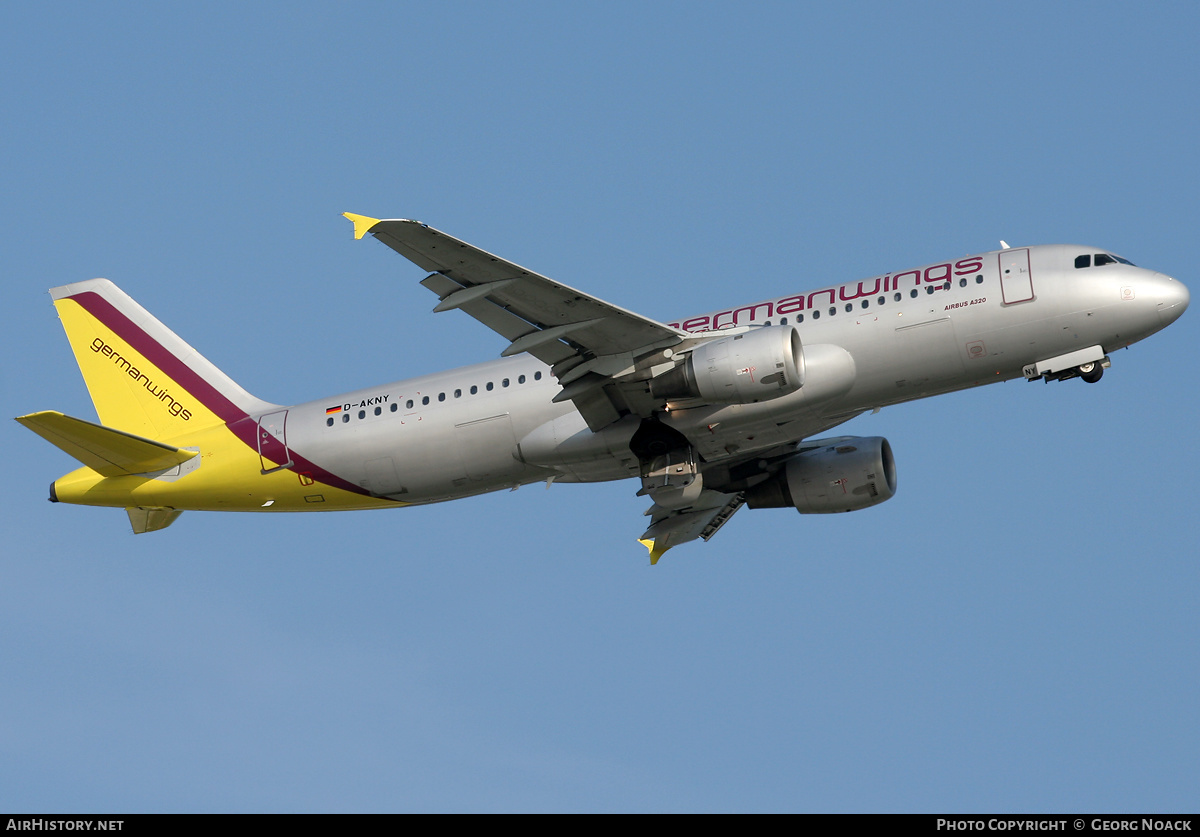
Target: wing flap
{"points": [[503, 322], [108, 452]]}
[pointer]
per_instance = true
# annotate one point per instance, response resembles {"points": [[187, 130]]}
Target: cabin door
{"points": [[1016, 282], [272, 442]]}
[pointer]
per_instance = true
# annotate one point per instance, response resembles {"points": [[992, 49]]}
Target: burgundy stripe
{"points": [[318, 473], [153, 351], [246, 429], [235, 418]]}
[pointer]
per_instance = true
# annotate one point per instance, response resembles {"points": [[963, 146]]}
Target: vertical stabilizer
{"points": [[143, 378]]}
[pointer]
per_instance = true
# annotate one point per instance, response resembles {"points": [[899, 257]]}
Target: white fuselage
{"points": [[908, 335]]}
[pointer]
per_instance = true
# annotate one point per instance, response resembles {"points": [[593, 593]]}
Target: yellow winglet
{"points": [[656, 551], [362, 224]]}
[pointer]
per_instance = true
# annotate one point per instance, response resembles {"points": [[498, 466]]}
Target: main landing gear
{"points": [[670, 466]]}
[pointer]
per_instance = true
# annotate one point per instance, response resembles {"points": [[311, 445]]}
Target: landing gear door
{"points": [[1016, 282], [272, 442]]}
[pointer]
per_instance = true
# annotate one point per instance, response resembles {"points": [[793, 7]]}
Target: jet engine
{"points": [[846, 475], [745, 368]]}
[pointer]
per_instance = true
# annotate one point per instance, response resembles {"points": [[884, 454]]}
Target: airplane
{"points": [[709, 413]]}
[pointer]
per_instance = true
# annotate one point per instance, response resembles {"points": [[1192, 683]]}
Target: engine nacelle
{"points": [[759, 365], [846, 475]]}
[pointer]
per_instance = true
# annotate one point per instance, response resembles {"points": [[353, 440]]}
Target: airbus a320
{"points": [[708, 414]]}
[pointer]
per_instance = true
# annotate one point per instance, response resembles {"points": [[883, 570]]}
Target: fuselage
{"points": [[893, 338]]}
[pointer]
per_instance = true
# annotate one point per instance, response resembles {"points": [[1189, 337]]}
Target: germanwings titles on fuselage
{"points": [[709, 413], [935, 277]]}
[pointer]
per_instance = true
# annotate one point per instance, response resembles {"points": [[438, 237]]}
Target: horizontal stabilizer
{"points": [[108, 452], [151, 519]]}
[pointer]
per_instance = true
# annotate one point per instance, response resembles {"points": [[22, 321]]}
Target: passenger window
{"points": [[345, 417], [379, 411], [850, 306], [816, 315], [832, 310], [425, 400], [783, 320], [458, 393], [1104, 258], [329, 422], [865, 303], [537, 376], [441, 396], [521, 379], [489, 386], [929, 289], [799, 318], [962, 283], [897, 297], [767, 323], [881, 300], [474, 389], [504, 383], [408, 404], [362, 414], [395, 406], [979, 279], [1084, 261], [913, 293]]}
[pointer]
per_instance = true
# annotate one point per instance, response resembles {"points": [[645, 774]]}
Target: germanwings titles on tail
{"points": [[709, 413]]}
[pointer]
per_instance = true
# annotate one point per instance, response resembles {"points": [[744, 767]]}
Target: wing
{"points": [[670, 528], [593, 347]]}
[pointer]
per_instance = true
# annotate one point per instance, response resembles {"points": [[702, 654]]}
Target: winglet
{"points": [[656, 552], [361, 224]]}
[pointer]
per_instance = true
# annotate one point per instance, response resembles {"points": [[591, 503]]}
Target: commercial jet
{"points": [[709, 413]]}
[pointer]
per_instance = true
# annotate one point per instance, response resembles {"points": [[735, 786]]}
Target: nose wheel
{"points": [[1091, 372]]}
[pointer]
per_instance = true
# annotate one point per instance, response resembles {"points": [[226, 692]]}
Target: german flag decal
{"points": [[331, 410]]}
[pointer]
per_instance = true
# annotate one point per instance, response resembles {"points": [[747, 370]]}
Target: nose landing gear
{"points": [[1091, 372], [1088, 364]]}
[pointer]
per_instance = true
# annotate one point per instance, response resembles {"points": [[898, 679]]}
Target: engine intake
{"points": [[760, 365], [847, 475]]}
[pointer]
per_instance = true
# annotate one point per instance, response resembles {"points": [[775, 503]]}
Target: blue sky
{"points": [[1015, 631]]}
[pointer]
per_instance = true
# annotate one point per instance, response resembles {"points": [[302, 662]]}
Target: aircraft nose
{"points": [[1173, 298]]}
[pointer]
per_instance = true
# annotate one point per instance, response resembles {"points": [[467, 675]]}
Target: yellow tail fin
{"points": [[143, 379]]}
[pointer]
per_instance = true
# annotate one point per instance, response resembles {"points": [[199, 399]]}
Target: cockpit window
{"points": [[1101, 259]]}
